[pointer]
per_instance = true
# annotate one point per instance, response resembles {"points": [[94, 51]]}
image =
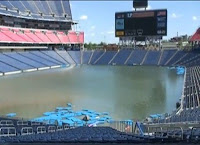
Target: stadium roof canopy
{"points": [[53, 10], [196, 36]]}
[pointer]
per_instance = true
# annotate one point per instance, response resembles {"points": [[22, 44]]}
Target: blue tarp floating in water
{"points": [[180, 70], [65, 115], [156, 116], [11, 115], [69, 104]]}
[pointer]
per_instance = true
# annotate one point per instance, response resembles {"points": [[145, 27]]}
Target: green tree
{"points": [[90, 45]]}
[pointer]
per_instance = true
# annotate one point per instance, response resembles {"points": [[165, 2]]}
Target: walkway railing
{"points": [[123, 126]]}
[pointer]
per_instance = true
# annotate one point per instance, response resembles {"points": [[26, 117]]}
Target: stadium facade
{"points": [[42, 29]]}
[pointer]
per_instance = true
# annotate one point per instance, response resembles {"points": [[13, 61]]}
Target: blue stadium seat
{"points": [[152, 58], [17, 5], [106, 58], [95, 56], [59, 8], [76, 56], [121, 57], [86, 57], [24, 59], [7, 68], [65, 55], [167, 54], [55, 56], [137, 57], [46, 57], [38, 59], [175, 58], [14, 63]]}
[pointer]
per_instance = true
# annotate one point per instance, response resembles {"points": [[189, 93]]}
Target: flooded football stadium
{"points": [[126, 92]]}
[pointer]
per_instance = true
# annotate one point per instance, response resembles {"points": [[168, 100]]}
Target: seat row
{"points": [[47, 8], [140, 57], [39, 36], [16, 62]]}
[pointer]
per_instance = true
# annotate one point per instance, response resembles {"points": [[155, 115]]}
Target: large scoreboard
{"points": [[141, 23]]}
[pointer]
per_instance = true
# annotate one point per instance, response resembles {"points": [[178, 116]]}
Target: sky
{"points": [[97, 18]]}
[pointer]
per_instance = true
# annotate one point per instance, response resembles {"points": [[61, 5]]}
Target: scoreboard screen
{"points": [[141, 23]]}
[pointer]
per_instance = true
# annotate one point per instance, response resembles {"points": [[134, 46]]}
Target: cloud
{"points": [[84, 17], [92, 34], [110, 32], [174, 15], [194, 18], [92, 27]]}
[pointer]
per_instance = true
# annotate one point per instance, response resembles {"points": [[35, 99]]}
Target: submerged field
{"points": [[125, 92]]}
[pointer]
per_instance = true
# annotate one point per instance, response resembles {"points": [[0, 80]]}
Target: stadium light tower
{"points": [[140, 4]]}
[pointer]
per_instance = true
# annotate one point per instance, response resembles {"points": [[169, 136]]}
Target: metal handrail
{"points": [[178, 128], [192, 130], [123, 126], [27, 129], [153, 127]]}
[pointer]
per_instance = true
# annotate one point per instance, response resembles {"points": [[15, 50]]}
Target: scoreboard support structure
{"points": [[153, 43]]}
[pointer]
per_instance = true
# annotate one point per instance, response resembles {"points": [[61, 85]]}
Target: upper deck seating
{"points": [[52, 36], [63, 37], [42, 36], [73, 37], [10, 33], [20, 35], [32, 36], [47, 8]]}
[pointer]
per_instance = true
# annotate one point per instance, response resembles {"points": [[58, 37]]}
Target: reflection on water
{"points": [[125, 92]]}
